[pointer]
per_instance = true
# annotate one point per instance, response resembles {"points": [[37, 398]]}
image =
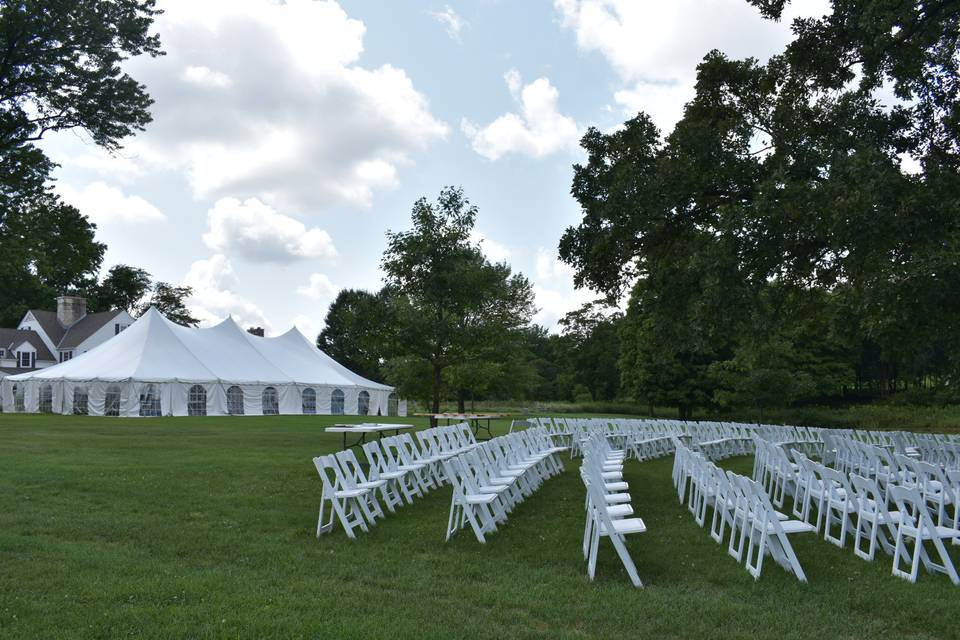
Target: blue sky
{"points": [[289, 137]]}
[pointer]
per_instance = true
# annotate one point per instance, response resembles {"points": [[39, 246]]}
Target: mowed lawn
{"points": [[204, 528]]}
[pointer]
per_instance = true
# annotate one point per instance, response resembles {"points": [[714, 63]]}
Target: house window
{"points": [[3, 354], [309, 398], [46, 399], [336, 402], [270, 401], [116, 329], [197, 401], [393, 405], [80, 401], [65, 355], [111, 401], [235, 401], [363, 403], [150, 401], [26, 359]]}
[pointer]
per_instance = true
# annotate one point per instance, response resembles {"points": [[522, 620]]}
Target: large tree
{"points": [[356, 331], [454, 307], [122, 288], [784, 186], [60, 69], [171, 302]]}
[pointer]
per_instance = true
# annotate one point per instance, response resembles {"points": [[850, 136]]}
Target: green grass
{"points": [[203, 528]]}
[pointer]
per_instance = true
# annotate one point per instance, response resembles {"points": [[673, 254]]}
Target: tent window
{"points": [[197, 401], [46, 399], [271, 405], [336, 402], [80, 401], [363, 403], [309, 397], [393, 405], [150, 401], [111, 401], [18, 399], [235, 401]]}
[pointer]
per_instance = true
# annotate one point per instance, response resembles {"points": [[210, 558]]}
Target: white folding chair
{"points": [[917, 524]]}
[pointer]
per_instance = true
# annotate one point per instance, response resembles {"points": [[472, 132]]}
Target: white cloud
{"points": [[495, 251], [655, 46], [206, 77], [214, 297], [268, 100], [553, 289], [306, 326], [452, 22], [257, 232], [539, 130], [104, 204], [318, 287]]}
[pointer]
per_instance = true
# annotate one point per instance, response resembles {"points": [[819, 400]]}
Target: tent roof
{"points": [[154, 349]]}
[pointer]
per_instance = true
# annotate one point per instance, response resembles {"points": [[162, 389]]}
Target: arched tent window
{"points": [[81, 401], [393, 405], [336, 402], [111, 401], [150, 401], [309, 400], [270, 402], [235, 401], [197, 401], [363, 403], [18, 399], [46, 399]]}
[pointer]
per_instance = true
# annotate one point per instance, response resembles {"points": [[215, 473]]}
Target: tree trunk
{"points": [[437, 381], [461, 401]]}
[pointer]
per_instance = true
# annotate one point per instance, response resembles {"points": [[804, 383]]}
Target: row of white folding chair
{"points": [[742, 504], [347, 494], [492, 478], [841, 499], [608, 505], [773, 469]]}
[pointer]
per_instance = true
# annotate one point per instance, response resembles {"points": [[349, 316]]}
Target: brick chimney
{"points": [[70, 309]]}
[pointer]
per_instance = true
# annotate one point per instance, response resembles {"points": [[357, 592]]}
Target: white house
{"points": [[45, 338]]}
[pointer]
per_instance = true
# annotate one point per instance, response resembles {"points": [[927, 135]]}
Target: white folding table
{"points": [[378, 428]]}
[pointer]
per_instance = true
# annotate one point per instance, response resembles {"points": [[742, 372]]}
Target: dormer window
{"points": [[26, 359], [3, 353], [65, 355]]}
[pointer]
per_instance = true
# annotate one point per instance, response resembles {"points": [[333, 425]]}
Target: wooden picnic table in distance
{"points": [[473, 419], [364, 428]]}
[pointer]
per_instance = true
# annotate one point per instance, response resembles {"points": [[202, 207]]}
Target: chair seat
{"points": [[794, 526], [410, 467], [612, 475], [616, 486], [351, 493], [373, 484], [392, 475], [616, 498], [620, 510], [627, 525], [480, 498]]}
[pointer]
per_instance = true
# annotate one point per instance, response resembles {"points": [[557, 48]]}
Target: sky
{"points": [[289, 137]]}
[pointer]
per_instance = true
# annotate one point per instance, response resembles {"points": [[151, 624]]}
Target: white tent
{"points": [[156, 367]]}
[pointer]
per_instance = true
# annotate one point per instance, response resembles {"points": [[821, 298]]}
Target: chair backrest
{"points": [[352, 471]]}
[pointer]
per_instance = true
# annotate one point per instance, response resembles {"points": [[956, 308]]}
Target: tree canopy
{"points": [[796, 225]]}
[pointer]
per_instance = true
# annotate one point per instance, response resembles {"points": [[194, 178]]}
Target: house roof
{"points": [[11, 338], [50, 325], [12, 371], [72, 336], [85, 327]]}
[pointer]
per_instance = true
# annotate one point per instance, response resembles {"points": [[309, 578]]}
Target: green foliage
{"points": [[453, 307], [122, 288], [774, 246], [170, 301], [356, 331], [60, 70]]}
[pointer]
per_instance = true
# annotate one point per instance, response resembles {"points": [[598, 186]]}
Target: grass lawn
{"points": [[203, 528]]}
